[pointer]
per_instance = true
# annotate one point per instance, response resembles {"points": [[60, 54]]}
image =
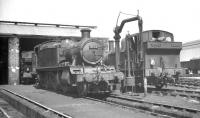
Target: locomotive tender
{"points": [[76, 66], [160, 58]]}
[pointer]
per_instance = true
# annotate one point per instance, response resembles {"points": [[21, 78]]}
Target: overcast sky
{"points": [[180, 17]]}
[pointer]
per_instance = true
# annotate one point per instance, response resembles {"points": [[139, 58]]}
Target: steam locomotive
{"points": [[76, 66], [156, 58], [27, 75]]}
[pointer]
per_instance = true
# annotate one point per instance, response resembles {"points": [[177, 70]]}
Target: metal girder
{"points": [[47, 24]]}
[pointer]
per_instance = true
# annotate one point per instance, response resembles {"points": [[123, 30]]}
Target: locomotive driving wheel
{"points": [[82, 89]]}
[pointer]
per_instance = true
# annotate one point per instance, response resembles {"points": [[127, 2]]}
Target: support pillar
{"points": [[117, 51], [13, 61]]}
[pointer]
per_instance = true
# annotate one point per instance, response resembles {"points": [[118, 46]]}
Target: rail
{"points": [[128, 107], [158, 104], [4, 113], [40, 105], [176, 92]]}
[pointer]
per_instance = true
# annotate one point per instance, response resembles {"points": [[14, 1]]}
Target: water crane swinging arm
{"points": [[118, 30]]}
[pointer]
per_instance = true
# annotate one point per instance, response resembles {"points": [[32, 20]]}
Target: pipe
{"points": [[117, 31], [128, 54], [117, 53], [111, 45]]}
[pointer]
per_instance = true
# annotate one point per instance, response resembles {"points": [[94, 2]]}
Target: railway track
{"points": [[186, 86], [61, 115], [164, 109], [47, 109], [176, 92], [190, 82], [125, 103], [7, 111], [129, 107], [3, 114]]}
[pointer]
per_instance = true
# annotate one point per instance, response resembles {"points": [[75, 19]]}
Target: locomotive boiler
{"points": [[76, 66]]}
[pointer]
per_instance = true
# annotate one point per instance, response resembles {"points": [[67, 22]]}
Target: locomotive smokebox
{"points": [[85, 33]]}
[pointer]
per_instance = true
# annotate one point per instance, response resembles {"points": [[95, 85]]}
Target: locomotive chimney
{"points": [[111, 46], [85, 33]]}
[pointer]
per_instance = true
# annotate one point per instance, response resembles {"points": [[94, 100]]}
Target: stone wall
{"points": [[13, 61]]}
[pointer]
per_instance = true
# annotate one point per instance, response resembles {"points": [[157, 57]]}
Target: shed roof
{"points": [[191, 43], [40, 29]]}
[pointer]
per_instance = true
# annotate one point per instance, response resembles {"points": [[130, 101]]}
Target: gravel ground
{"points": [[7, 111], [169, 100], [76, 107], [2, 115]]}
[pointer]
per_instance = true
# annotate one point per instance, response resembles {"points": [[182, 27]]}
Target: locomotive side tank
{"points": [[70, 65]]}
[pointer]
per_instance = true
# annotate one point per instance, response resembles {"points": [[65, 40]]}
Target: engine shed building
{"points": [[190, 56], [16, 37]]}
